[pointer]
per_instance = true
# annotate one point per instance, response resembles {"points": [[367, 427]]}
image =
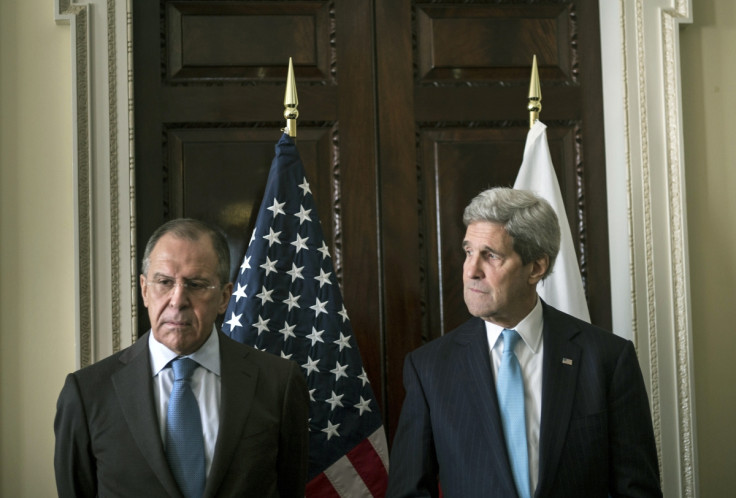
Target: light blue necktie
{"points": [[184, 440], [510, 387]]}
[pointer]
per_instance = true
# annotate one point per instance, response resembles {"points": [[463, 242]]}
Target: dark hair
{"points": [[191, 229], [528, 219]]}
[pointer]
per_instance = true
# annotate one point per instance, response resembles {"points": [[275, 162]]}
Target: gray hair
{"points": [[528, 219], [191, 229]]}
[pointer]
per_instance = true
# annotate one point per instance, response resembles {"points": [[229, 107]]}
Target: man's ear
{"points": [[144, 290], [539, 268], [225, 293]]}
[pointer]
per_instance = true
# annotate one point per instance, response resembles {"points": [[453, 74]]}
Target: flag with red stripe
{"points": [[287, 301]]}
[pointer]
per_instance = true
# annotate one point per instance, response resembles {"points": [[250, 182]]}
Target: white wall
{"points": [[37, 330], [708, 55]]}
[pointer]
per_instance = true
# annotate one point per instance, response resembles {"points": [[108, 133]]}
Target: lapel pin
{"points": [[566, 361]]}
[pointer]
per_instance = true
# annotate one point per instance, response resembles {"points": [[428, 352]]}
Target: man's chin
{"points": [[182, 339], [182, 345], [475, 308]]}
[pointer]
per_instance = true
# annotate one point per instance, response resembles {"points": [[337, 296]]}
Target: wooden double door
{"points": [[407, 109]]}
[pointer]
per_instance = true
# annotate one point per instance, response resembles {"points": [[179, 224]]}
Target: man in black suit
{"points": [[579, 424], [112, 436]]}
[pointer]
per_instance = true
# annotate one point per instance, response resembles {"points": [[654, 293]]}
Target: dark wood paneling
{"points": [[356, 187], [233, 104], [592, 228], [246, 41], [492, 42], [398, 197], [407, 110], [478, 104]]}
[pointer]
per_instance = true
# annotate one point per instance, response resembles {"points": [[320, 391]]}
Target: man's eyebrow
{"points": [[483, 248], [186, 279]]}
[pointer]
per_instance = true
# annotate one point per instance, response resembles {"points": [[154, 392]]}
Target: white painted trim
{"points": [[103, 174], [646, 200]]}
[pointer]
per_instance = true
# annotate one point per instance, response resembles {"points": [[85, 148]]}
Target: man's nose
{"points": [[472, 267], [179, 296]]}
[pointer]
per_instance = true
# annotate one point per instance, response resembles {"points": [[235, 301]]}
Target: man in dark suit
{"points": [[582, 426], [112, 433]]}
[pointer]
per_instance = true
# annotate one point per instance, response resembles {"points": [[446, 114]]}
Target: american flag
{"points": [[287, 301]]}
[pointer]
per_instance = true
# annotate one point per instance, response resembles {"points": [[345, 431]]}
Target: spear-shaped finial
{"points": [[535, 95], [290, 103]]}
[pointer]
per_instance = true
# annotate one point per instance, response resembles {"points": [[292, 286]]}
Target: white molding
{"points": [[103, 174], [646, 201]]}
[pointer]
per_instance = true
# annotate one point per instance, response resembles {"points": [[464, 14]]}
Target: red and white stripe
{"points": [[361, 473]]}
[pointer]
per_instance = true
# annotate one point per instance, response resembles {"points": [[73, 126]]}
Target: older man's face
{"points": [[182, 316], [497, 286]]}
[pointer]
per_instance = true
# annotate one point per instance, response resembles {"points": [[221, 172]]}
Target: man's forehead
{"points": [[171, 249], [488, 236], [485, 230], [200, 241]]}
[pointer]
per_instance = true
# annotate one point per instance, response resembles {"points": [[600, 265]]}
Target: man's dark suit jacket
{"points": [[596, 434], [108, 441]]}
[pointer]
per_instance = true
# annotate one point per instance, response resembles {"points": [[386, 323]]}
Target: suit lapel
{"points": [[560, 368], [475, 367], [238, 382], [134, 388]]}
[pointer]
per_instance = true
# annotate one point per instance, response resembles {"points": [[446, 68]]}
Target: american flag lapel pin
{"points": [[566, 361]]}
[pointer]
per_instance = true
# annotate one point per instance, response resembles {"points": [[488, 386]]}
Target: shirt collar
{"points": [[208, 355], [530, 328]]}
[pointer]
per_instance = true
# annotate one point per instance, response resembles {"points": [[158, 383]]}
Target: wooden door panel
{"points": [[246, 41], [479, 105], [238, 104], [492, 42]]}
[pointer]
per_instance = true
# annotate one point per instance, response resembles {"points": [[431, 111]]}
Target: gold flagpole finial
{"points": [[290, 103], [535, 95]]}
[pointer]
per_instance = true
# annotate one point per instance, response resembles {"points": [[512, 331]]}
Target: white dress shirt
{"points": [[205, 385], [529, 352]]}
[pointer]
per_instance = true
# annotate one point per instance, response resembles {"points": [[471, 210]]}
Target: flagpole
{"points": [[291, 101], [535, 95]]}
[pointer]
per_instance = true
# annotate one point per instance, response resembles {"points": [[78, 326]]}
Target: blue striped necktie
{"points": [[184, 440], [510, 387]]}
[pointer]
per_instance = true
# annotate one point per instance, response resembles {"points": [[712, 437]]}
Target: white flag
{"points": [[563, 288]]}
